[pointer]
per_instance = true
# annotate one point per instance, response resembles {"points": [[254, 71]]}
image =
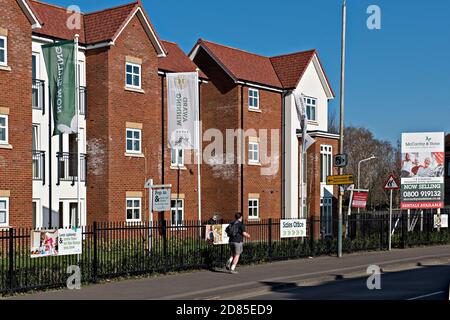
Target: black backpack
{"points": [[233, 229]]}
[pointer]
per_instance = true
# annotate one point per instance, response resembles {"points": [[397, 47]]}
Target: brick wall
{"points": [[15, 163], [116, 106], [221, 183]]}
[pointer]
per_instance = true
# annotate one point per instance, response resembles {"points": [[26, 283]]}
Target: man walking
{"points": [[236, 233]]}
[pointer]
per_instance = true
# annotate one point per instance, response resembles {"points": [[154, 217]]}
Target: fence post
{"points": [[404, 230], [381, 232], [270, 238], [164, 234], [11, 259], [311, 236], [95, 263]]}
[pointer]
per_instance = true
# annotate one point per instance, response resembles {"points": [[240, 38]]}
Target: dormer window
{"points": [[253, 99]]}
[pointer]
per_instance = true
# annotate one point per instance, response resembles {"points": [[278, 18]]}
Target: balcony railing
{"points": [[83, 101], [68, 167], [38, 95], [38, 165]]}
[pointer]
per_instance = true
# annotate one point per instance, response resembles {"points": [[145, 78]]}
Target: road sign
{"points": [[341, 179], [340, 160], [391, 184]]}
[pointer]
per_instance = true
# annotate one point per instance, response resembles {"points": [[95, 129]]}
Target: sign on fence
{"points": [[69, 241], [293, 228], [161, 200], [60, 242], [215, 233], [441, 222], [422, 170]]}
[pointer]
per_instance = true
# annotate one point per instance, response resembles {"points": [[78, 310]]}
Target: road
{"points": [[316, 278], [425, 283]]}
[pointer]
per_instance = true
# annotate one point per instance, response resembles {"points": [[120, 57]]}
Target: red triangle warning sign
{"points": [[392, 184]]}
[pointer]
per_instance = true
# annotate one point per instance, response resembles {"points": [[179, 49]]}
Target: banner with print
{"points": [[60, 242], [60, 64], [182, 106], [422, 170], [216, 234]]}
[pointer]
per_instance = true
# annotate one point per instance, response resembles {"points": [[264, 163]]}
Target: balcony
{"points": [[83, 101], [38, 165], [68, 167], [38, 95]]}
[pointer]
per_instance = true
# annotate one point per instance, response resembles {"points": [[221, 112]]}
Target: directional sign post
{"points": [[345, 179], [391, 185]]}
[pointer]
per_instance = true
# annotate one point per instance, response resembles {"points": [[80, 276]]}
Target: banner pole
{"points": [[77, 107], [77, 110], [199, 152]]}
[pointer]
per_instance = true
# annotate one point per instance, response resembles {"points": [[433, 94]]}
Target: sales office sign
{"points": [[293, 228]]}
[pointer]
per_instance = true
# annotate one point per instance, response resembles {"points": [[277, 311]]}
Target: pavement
{"points": [[415, 273]]}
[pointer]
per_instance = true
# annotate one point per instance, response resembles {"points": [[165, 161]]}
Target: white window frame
{"points": [[174, 208], [252, 151], [132, 151], [251, 205], [311, 103], [6, 223], [132, 75], [326, 225], [326, 162], [253, 95], [176, 160], [133, 199], [5, 63], [6, 128]]}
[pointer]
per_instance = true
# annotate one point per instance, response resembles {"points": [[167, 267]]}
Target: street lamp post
{"points": [[341, 123], [359, 170]]}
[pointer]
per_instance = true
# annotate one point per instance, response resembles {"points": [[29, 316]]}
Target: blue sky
{"points": [[397, 78]]}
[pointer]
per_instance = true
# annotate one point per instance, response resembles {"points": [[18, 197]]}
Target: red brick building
{"points": [[16, 25], [253, 92], [122, 66]]}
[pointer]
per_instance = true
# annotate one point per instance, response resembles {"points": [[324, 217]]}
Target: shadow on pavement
{"points": [[426, 282]]}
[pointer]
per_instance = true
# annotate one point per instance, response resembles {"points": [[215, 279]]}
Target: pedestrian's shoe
{"points": [[233, 272], [228, 266]]}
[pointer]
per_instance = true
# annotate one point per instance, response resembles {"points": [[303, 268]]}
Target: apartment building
{"points": [[15, 114], [253, 92], [122, 67]]}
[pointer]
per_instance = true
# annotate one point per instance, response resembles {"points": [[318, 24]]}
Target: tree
{"points": [[359, 144]]}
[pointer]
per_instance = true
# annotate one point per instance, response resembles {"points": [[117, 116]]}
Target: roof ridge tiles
{"points": [[135, 3], [293, 53], [233, 48]]}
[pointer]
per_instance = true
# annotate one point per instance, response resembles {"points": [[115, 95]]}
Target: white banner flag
{"points": [[302, 116], [182, 106]]}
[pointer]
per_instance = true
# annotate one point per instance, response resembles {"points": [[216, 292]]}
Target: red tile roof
{"points": [[176, 60], [284, 71], [291, 67], [104, 25], [54, 20], [99, 26], [243, 65]]}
